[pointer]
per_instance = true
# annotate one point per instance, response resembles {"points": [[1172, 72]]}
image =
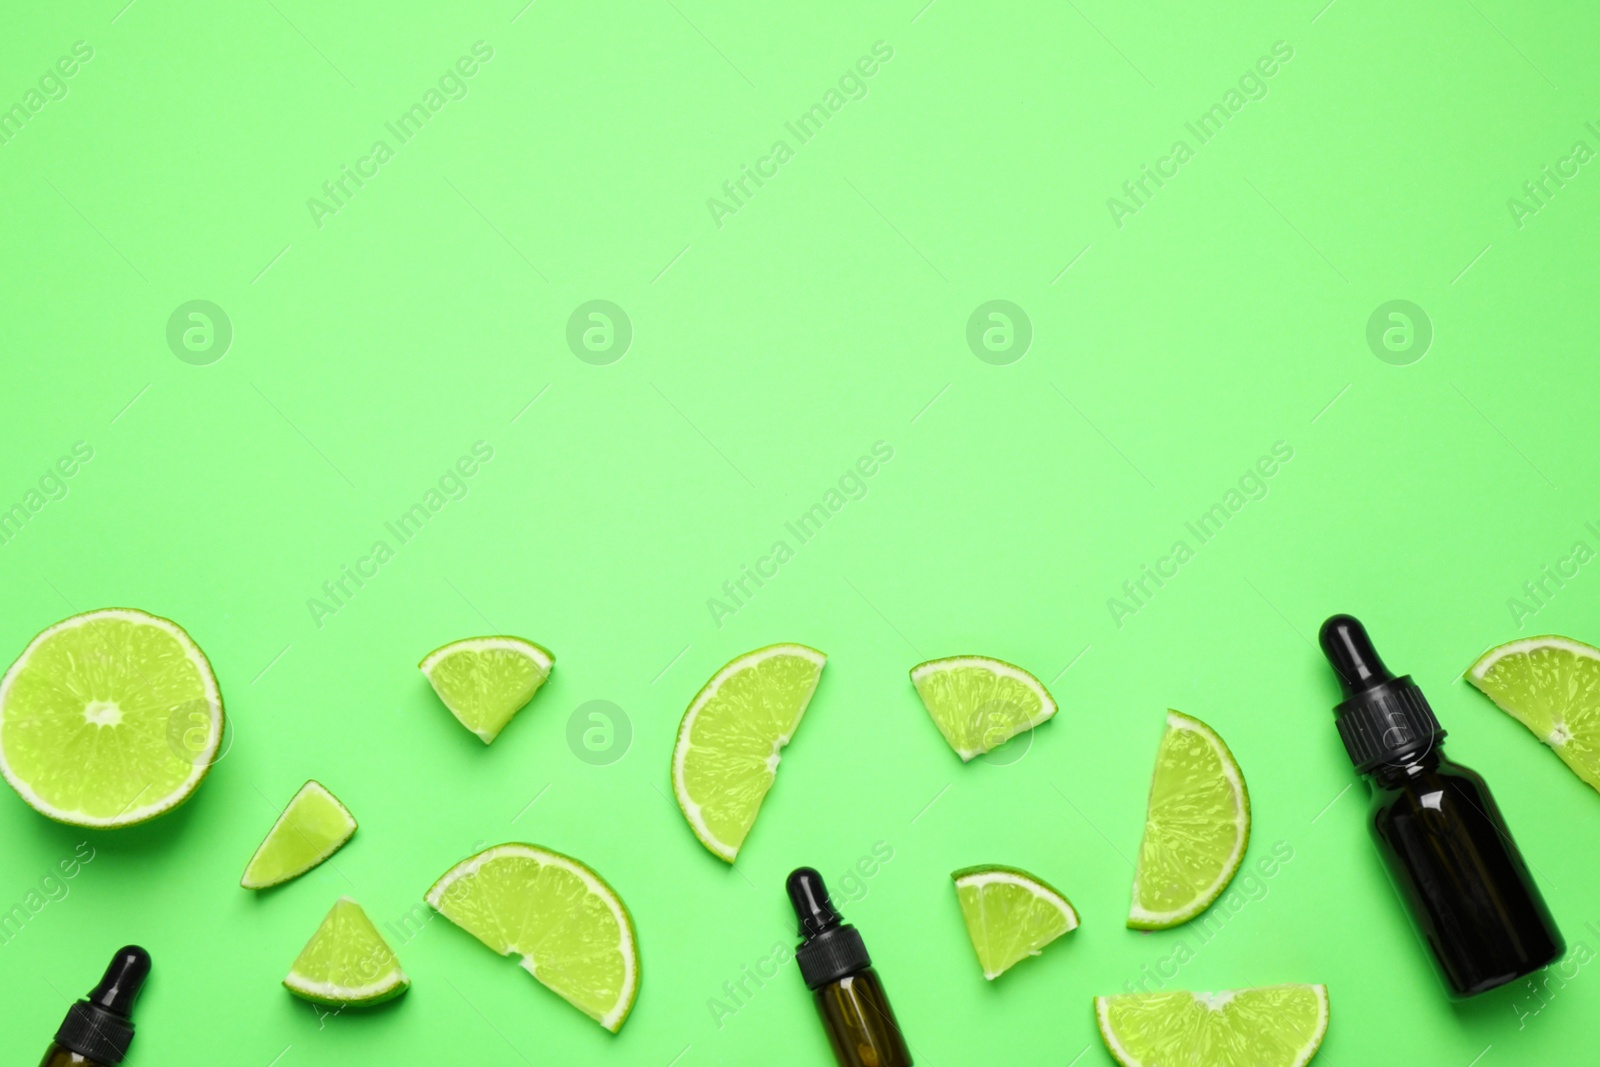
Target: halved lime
{"points": [[1010, 915], [728, 743], [1551, 685], [346, 963], [109, 718], [1271, 1026], [311, 828], [486, 680], [980, 703], [571, 929], [1195, 828]]}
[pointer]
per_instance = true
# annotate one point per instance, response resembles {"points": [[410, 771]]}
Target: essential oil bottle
{"points": [[1441, 835], [99, 1028], [836, 968]]}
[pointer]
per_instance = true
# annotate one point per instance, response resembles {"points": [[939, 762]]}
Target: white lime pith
{"points": [[109, 718], [728, 746], [565, 923]]}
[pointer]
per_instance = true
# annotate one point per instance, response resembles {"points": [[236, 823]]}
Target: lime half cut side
{"points": [[1551, 685], [347, 963], [979, 703], [484, 681], [109, 718], [727, 753], [569, 928], [313, 827], [1271, 1026], [1010, 915], [1196, 826]]}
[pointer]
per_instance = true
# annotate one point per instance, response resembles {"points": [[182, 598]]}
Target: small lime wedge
{"points": [[109, 718], [1551, 685], [570, 928], [1272, 1026], [1195, 830], [980, 703], [728, 743], [311, 828], [486, 680], [346, 963], [1010, 915]]}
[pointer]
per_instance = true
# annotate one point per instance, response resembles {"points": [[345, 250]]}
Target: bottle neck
{"points": [[1401, 772]]}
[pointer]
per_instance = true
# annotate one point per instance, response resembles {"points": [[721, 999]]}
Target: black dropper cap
{"points": [[829, 948], [1383, 719], [100, 1026]]}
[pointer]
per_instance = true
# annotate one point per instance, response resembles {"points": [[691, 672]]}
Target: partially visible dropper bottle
{"points": [[1438, 829], [836, 968], [99, 1028]]}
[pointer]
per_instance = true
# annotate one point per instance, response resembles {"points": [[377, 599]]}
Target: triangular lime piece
{"points": [[109, 718], [980, 703], [570, 929], [1195, 829], [729, 741], [1271, 1026], [313, 827], [484, 681], [1010, 915], [1551, 685], [346, 962]]}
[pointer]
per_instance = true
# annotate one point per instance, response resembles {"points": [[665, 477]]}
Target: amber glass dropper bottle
{"points": [[99, 1028], [1441, 835], [836, 968]]}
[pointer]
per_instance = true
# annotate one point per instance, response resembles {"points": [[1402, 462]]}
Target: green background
{"points": [[769, 353]]}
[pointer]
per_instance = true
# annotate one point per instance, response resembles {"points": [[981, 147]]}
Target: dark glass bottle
{"points": [[836, 968], [99, 1028], [1441, 835]]}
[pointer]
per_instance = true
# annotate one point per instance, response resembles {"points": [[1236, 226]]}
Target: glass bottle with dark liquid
{"points": [[99, 1028], [1442, 837], [836, 968]]}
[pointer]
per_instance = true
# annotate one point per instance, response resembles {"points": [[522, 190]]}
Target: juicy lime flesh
{"points": [[547, 912], [484, 687], [1273, 1026], [346, 961], [1007, 921], [978, 704], [734, 740], [1552, 686], [108, 716], [310, 830], [1195, 827]]}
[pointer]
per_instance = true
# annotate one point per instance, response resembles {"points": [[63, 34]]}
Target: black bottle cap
{"points": [[829, 948], [100, 1027], [1383, 719]]}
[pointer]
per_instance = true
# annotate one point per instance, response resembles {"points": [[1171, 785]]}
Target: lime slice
{"points": [[728, 743], [311, 828], [980, 703], [571, 929], [1272, 1026], [486, 680], [1010, 915], [1195, 829], [109, 718], [1551, 685], [347, 962]]}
